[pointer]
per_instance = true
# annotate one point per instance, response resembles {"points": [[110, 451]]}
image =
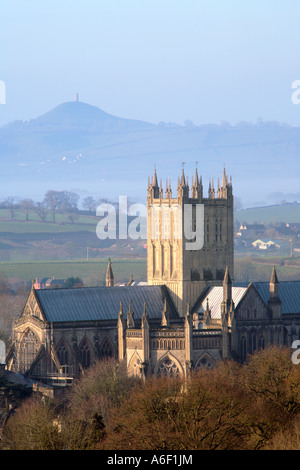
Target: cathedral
{"points": [[189, 314]]}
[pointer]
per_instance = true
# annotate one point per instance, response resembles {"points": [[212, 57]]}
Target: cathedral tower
{"points": [[190, 237]]}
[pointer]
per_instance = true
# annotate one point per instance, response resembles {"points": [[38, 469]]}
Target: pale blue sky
{"points": [[154, 60]]}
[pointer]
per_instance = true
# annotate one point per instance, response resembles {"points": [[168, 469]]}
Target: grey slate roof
{"points": [[289, 293], [102, 303]]}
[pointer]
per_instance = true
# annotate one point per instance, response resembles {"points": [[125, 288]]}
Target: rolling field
{"points": [[289, 213], [34, 249], [34, 240], [91, 272], [253, 270], [34, 225]]}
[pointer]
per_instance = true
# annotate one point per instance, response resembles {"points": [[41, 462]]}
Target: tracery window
{"points": [[62, 355], [205, 362], [106, 349], [85, 355], [168, 368], [135, 365], [28, 350]]}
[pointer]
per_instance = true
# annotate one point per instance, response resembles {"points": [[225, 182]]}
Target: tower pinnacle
{"points": [[109, 275]]}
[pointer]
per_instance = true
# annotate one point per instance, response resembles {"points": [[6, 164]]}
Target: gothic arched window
{"points": [[106, 349], [62, 354], [85, 355], [167, 367], [135, 364], [28, 350], [205, 362]]}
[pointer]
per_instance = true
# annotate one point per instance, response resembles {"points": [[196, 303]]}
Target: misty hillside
{"points": [[76, 115], [76, 146]]}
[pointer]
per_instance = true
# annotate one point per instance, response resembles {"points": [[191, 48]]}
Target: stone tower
{"points": [[190, 237]]}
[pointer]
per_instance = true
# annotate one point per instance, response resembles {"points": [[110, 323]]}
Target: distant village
{"points": [[282, 238]]}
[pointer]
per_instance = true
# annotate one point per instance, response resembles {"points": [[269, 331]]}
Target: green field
{"points": [[91, 272], [252, 270], [81, 222], [34, 249], [40, 227], [34, 225], [286, 213]]}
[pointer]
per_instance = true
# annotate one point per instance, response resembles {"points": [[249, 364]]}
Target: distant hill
{"points": [[285, 213], [77, 146], [71, 125], [76, 115]]}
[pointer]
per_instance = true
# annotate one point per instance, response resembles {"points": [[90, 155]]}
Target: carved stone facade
{"points": [[171, 257], [190, 315], [58, 350]]}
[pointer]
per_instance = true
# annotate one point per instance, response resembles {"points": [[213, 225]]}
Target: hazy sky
{"points": [[154, 60]]}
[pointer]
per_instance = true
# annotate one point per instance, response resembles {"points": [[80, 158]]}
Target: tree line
{"points": [[53, 202], [250, 406]]}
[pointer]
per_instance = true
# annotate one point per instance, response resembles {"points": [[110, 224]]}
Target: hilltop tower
{"points": [[186, 268]]}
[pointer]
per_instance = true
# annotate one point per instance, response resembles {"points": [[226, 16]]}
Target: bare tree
{"points": [[52, 202], [10, 203], [11, 307], [89, 203], [27, 205], [41, 210], [33, 426], [62, 201]]}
